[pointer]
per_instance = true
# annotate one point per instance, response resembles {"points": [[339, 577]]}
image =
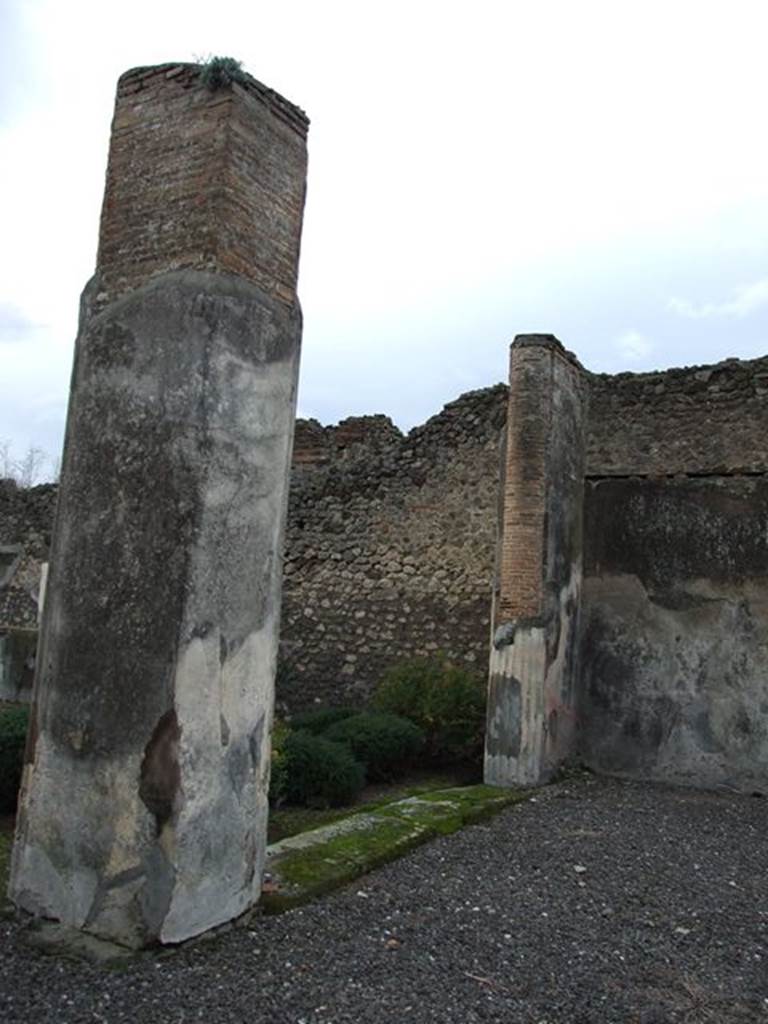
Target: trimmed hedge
{"points": [[278, 772], [317, 772], [446, 701], [13, 736], [386, 744], [319, 720]]}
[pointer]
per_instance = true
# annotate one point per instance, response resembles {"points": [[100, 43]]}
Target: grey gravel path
{"points": [[668, 922]]}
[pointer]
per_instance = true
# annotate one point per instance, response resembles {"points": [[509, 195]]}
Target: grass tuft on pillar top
{"points": [[221, 72]]}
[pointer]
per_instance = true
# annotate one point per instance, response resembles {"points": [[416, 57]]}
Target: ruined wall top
{"points": [[374, 448], [548, 341], [692, 420], [200, 179]]}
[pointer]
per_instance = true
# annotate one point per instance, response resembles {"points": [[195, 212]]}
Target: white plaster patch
{"points": [[221, 823], [525, 660], [101, 815]]}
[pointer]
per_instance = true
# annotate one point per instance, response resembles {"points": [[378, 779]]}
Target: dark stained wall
{"points": [[675, 629]]}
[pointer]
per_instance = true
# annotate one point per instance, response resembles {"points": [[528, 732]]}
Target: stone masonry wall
{"points": [[26, 517], [26, 520], [675, 597], [390, 542], [390, 547], [698, 419]]}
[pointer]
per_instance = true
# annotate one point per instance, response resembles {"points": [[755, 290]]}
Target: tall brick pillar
{"points": [[530, 728], [144, 797]]}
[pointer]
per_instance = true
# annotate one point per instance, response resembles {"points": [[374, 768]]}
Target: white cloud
{"points": [[747, 298], [634, 346], [15, 325]]}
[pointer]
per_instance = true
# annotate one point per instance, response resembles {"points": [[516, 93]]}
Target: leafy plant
{"points": [[278, 769], [318, 720], [221, 72], [318, 772], [386, 744], [443, 699], [13, 735]]}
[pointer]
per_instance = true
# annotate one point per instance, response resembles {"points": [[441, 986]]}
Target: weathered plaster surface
{"points": [[531, 714], [144, 796], [534, 651], [17, 655], [675, 651]]}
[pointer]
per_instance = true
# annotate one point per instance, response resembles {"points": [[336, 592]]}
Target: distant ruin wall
{"points": [[390, 542], [390, 547], [26, 518]]}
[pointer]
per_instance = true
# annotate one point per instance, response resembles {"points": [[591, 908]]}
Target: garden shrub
{"points": [[278, 769], [318, 720], [386, 744], [405, 687], [13, 736], [318, 772], [445, 700]]}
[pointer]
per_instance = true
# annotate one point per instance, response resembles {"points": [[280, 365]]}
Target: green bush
{"points": [[404, 689], [13, 735], [278, 769], [446, 701], [386, 744], [318, 772], [318, 720]]}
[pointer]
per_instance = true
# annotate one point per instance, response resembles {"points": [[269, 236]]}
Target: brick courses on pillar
{"points": [[201, 180], [533, 658], [522, 539]]}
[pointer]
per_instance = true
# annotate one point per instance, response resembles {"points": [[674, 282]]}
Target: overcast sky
{"points": [[598, 170]]}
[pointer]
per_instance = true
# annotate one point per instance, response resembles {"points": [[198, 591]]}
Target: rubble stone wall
{"points": [[26, 520], [390, 547], [390, 541], [699, 419]]}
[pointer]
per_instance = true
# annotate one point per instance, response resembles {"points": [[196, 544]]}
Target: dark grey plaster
{"points": [[160, 629], [675, 646], [504, 698]]}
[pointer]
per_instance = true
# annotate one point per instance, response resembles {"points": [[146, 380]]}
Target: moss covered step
{"points": [[307, 865]]}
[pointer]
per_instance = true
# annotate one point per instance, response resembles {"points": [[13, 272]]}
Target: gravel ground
{"points": [[597, 902]]}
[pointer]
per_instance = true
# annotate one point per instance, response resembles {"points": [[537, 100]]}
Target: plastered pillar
{"points": [[143, 807], [534, 645]]}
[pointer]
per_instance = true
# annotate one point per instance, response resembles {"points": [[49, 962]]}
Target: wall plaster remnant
{"points": [[390, 539], [390, 553], [630, 623], [534, 653], [144, 795]]}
